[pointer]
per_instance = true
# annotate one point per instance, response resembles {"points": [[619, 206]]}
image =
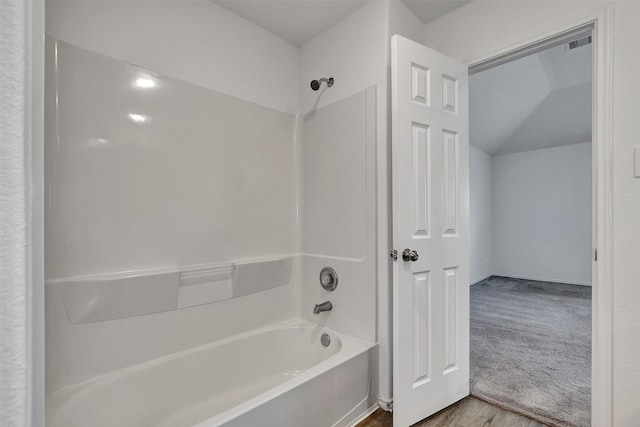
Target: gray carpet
{"points": [[531, 349]]}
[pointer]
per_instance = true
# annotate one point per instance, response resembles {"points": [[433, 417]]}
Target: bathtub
{"points": [[279, 376]]}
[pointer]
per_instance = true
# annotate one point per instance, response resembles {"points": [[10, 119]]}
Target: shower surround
{"points": [[184, 226]]}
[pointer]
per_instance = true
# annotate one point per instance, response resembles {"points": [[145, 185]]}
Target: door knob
{"points": [[409, 255]]}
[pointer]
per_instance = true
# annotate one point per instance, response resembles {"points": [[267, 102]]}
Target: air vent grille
{"points": [[580, 42]]}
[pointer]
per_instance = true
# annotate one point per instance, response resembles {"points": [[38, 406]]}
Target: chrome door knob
{"points": [[409, 255]]}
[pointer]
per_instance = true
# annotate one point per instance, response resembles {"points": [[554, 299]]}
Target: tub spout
{"points": [[325, 306]]}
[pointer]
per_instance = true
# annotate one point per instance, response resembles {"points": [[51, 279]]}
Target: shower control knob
{"points": [[329, 279], [409, 255]]}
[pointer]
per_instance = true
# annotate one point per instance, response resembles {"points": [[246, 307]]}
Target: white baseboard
{"points": [[364, 415], [385, 404], [541, 279], [473, 282]]}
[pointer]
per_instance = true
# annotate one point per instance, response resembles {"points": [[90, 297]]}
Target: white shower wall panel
{"points": [[338, 212], [157, 173], [334, 178], [161, 176]]}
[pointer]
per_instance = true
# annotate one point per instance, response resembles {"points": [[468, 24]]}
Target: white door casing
{"points": [[430, 147]]}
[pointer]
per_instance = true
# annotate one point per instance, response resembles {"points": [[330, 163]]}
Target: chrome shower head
{"points": [[315, 84]]}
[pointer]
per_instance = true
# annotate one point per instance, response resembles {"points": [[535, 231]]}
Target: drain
{"points": [[325, 339]]}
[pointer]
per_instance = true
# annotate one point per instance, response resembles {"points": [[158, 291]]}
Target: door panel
{"points": [[431, 216], [421, 185]]}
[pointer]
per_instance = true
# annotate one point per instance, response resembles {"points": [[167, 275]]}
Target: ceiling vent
{"points": [[580, 42]]}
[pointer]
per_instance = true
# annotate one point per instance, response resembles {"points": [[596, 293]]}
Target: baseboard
{"points": [[540, 279], [385, 404], [481, 279], [363, 416]]}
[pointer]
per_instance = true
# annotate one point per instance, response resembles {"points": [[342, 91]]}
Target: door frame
{"points": [[601, 23]]}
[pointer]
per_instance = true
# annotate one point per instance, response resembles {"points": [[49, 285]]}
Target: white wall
{"points": [[481, 214], [531, 214], [626, 211], [352, 51], [469, 34], [195, 41], [542, 214], [21, 214]]}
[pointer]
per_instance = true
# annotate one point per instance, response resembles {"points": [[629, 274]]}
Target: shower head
{"points": [[315, 84]]}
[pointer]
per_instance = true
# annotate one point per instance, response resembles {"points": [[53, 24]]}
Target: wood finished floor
{"points": [[469, 412]]}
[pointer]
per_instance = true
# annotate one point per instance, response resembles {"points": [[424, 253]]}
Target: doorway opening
{"points": [[532, 229]]}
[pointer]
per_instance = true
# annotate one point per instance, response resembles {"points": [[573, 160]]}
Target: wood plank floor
{"points": [[469, 412]]}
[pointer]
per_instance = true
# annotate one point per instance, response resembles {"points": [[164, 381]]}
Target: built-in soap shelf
{"points": [[115, 296]]}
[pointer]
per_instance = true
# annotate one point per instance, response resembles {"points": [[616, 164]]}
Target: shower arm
{"points": [[315, 84]]}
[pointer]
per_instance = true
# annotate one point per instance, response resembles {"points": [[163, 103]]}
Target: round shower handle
{"points": [[409, 255], [329, 279]]}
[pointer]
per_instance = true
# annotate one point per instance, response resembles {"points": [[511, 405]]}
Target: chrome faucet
{"points": [[325, 306]]}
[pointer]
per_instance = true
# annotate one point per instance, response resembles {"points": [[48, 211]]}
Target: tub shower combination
{"points": [[293, 374], [296, 373], [131, 347]]}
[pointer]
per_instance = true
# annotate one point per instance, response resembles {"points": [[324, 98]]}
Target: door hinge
{"points": [[393, 254], [595, 254]]}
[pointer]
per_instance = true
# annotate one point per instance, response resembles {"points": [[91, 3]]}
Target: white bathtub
{"points": [[281, 376]]}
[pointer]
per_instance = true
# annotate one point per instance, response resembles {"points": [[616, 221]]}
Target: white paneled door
{"points": [[430, 139]]}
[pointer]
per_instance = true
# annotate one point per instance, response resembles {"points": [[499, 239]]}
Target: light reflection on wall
{"points": [[145, 82], [138, 118]]}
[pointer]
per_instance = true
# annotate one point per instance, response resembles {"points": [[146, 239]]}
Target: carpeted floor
{"points": [[531, 349]]}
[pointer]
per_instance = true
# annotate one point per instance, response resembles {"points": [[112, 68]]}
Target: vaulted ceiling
{"points": [[539, 101], [298, 21]]}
